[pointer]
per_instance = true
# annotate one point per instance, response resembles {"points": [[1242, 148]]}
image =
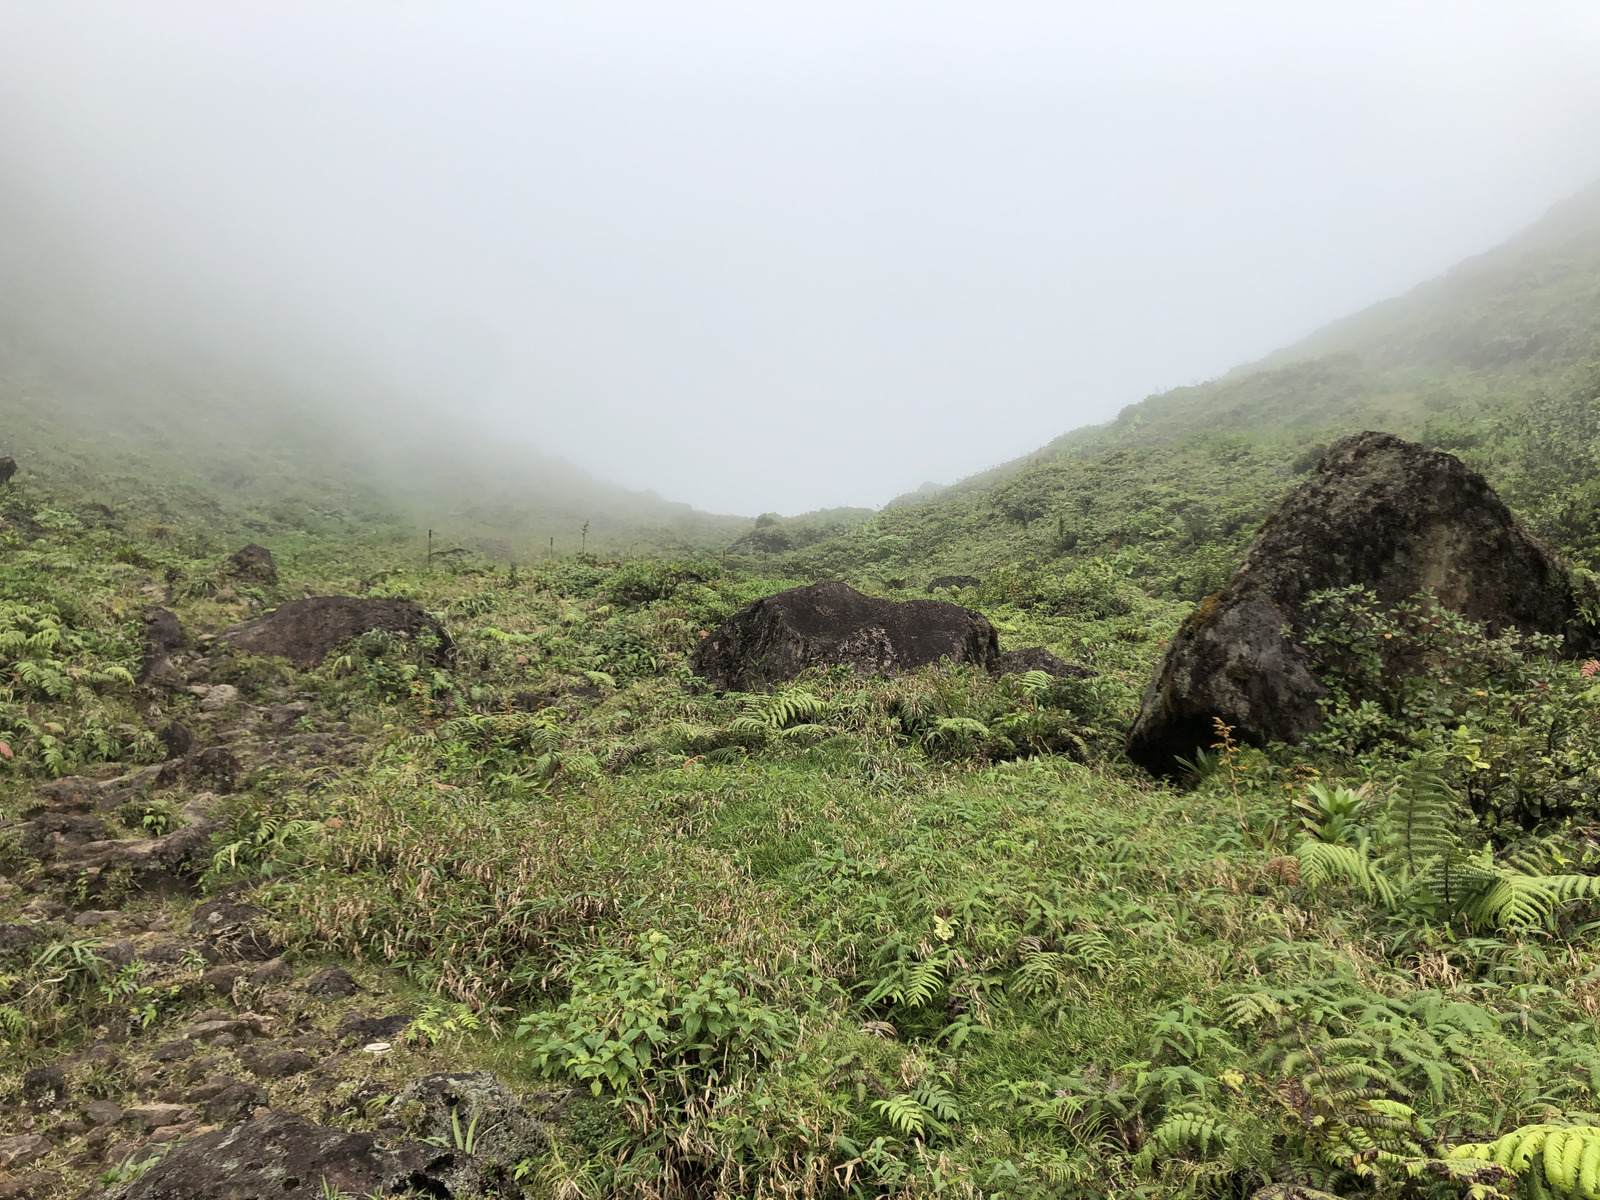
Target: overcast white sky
{"points": [[784, 255]]}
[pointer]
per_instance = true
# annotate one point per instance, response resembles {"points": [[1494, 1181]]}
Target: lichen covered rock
{"points": [[1379, 512]]}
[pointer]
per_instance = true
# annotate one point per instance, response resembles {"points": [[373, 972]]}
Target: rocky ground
{"points": [[232, 1067]]}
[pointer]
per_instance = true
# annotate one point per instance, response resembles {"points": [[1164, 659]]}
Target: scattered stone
{"points": [[332, 983], [1379, 512], [152, 864], [163, 637], [282, 1064], [102, 1112], [178, 738], [214, 767], [274, 970], [23, 1149], [282, 1153], [234, 927], [235, 1102], [430, 1108], [35, 1185], [1037, 658], [222, 979], [95, 916], [45, 1086], [54, 833], [153, 1116], [218, 697], [16, 939], [172, 1051], [306, 631], [953, 581], [828, 624], [254, 563], [175, 950], [354, 1027], [73, 794]]}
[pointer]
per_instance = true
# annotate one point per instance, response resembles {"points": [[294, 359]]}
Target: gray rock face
{"points": [[504, 1133], [1377, 511], [306, 631], [281, 1154], [828, 624]]}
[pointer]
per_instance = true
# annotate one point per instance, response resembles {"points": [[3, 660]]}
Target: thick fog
{"points": [[785, 255]]}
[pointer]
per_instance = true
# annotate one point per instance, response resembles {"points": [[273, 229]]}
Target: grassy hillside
{"points": [[109, 406], [859, 938], [1495, 361]]}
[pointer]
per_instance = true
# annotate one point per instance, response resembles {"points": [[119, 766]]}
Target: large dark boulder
{"points": [[282, 1154], [1379, 512], [305, 631], [828, 624]]}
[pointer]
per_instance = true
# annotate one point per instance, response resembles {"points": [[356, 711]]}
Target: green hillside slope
{"points": [[110, 407], [1493, 361]]}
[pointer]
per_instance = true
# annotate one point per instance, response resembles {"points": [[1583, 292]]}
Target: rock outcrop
{"points": [[306, 631], [1379, 512], [254, 564], [280, 1153], [163, 637], [828, 624]]}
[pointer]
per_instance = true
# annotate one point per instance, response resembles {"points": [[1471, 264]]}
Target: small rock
{"points": [[102, 1112], [172, 1051], [171, 1133], [17, 938], [234, 1103], [274, 970], [223, 916], [178, 738], [433, 1106], [254, 563], [205, 1031], [212, 1087], [45, 1087], [1037, 658], [332, 983], [153, 1116], [35, 1185], [282, 1064], [219, 697], [70, 1128], [225, 1041], [221, 979], [355, 1027], [94, 917]]}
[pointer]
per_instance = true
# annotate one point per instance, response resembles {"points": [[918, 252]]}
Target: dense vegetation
{"points": [[894, 937]]}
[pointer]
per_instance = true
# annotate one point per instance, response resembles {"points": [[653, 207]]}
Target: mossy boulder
{"points": [[832, 624], [1377, 511]]}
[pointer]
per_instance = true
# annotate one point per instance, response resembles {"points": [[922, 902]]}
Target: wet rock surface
{"points": [[830, 624], [306, 631], [1377, 511]]}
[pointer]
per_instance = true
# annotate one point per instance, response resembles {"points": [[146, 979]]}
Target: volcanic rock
{"points": [[829, 624], [254, 563], [430, 1108], [1037, 658], [8, 468], [163, 637], [1379, 512], [306, 631], [280, 1153]]}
